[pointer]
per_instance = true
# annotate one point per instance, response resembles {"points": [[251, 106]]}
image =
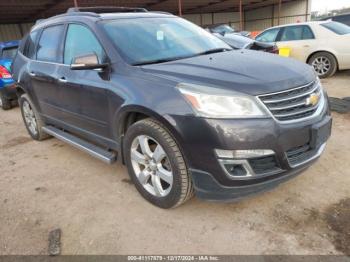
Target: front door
{"points": [[85, 100]]}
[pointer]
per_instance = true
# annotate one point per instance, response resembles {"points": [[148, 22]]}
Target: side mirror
{"points": [[89, 61]]}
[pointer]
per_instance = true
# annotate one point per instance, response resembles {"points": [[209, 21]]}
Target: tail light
{"points": [[4, 73]]}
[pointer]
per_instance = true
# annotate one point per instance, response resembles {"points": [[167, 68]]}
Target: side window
{"points": [[49, 43], [81, 41], [307, 33], [269, 35], [294, 33], [29, 47]]}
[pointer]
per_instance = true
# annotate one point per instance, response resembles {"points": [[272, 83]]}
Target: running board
{"points": [[93, 150]]}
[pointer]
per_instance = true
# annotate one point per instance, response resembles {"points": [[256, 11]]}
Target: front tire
{"points": [[156, 164], [5, 103], [31, 118], [324, 64]]}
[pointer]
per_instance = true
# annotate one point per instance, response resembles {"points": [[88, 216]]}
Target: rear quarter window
{"points": [[29, 47], [338, 28]]}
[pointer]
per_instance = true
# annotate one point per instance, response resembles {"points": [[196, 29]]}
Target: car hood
{"points": [[245, 71]]}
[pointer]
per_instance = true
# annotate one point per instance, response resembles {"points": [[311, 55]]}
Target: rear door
{"points": [[300, 39], [84, 99], [44, 70]]}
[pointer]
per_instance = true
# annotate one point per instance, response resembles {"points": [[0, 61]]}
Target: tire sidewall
{"points": [[6, 104], [174, 195], [332, 60], [27, 99]]}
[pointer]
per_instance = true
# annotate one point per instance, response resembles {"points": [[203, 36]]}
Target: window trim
{"points": [[279, 37], [92, 31]]}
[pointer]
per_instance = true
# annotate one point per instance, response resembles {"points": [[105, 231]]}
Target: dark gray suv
{"points": [[185, 112]]}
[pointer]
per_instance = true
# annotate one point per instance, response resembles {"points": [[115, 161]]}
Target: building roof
{"points": [[19, 11]]}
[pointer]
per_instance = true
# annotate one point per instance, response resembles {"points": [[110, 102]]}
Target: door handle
{"points": [[306, 46], [32, 74], [62, 80]]}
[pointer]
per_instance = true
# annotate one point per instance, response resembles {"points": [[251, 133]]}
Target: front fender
{"points": [[120, 122]]}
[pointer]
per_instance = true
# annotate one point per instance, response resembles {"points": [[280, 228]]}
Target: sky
{"points": [[327, 5]]}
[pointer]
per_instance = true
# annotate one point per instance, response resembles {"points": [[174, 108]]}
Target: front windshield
{"points": [[147, 40]]}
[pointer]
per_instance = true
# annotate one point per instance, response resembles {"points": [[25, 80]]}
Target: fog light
{"points": [[243, 154], [235, 170]]}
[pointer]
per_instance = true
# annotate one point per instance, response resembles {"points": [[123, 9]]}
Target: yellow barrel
{"points": [[284, 51]]}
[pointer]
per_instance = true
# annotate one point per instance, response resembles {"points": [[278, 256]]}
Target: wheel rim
{"points": [[29, 117], [0, 101], [322, 65], [151, 166]]}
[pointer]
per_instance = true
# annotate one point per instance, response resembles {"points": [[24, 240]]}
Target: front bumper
{"points": [[208, 188], [212, 181]]}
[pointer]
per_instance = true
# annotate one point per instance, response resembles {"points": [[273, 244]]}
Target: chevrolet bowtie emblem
{"points": [[312, 99]]}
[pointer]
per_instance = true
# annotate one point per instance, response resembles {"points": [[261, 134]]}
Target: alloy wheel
{"points": [[29, 117], [151, 165], [321, 65], [0, 102]]}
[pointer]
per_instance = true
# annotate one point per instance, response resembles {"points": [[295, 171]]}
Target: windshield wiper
{"points": [[158, 61], [212, 51]]}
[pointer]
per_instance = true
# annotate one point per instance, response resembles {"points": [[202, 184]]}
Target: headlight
{"points": [[219, 103]]}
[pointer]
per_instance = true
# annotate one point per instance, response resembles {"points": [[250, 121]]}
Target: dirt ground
{"points": [[49, 185]]}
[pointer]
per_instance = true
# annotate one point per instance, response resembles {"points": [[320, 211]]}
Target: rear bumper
{"points": [[8, 89]]}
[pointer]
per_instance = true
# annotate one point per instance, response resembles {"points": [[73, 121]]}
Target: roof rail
{"points": [[162, 12], [107, 9], [39, 21]]}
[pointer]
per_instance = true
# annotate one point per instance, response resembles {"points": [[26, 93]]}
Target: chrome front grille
{"points": [[294, 104]]}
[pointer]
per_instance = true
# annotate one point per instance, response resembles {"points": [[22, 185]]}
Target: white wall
{"points": [[258, 19], [212, 18], [255, 20], [13, 31], [292, 12]]}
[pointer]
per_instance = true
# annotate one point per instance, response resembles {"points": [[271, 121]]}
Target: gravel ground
{"points": [[50, 185]]}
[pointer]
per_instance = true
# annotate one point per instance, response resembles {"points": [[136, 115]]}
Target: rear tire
{"points": [[31, 118], [324, 64], [156, 164], [5, 103]]}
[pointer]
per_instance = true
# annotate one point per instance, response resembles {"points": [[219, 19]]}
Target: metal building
{"points": [[17, 16]]}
